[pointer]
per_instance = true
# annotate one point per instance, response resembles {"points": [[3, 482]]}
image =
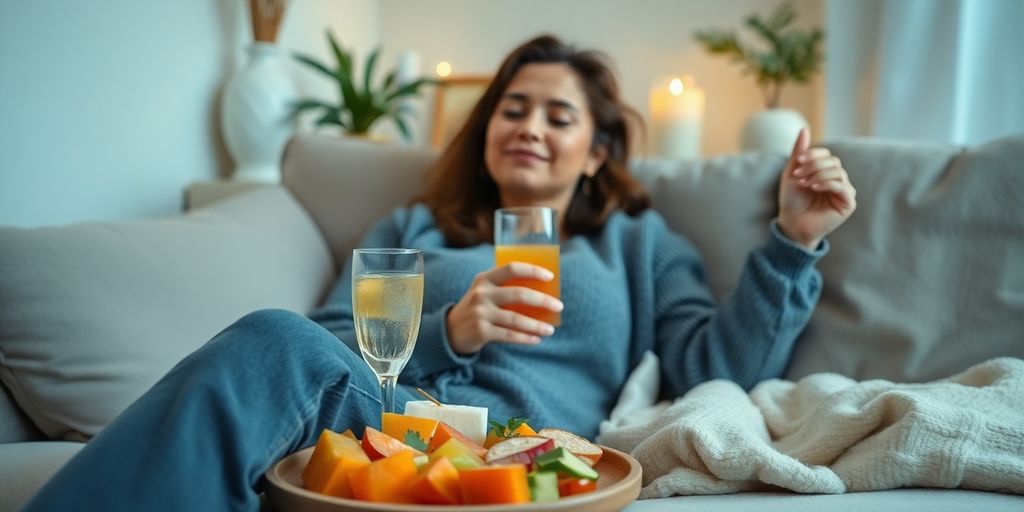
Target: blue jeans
{"points": [[203, 436]]}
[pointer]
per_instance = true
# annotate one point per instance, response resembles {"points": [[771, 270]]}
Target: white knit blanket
{"points": [[828, 434]]}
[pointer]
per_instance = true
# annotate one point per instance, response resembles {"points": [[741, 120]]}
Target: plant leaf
{"points": [[408, 89], [313, 63], [388, 82], [304, 105], [343, 58], [332, 116], [793, 54], [343, 76], [368, 72], [403, 128]]}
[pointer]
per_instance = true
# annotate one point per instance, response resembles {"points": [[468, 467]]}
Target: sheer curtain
{"points": [[937, 70]]}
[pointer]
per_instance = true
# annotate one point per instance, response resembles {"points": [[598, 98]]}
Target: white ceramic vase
{"points": [[255, 112], [773, 130]]}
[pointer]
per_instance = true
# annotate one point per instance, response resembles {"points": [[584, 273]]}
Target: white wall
{"points": [[646, 39], [109, 107]]}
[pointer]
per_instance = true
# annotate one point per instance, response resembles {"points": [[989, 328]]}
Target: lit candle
{"points": [[471, 421], [677, 111], [443, 69]]}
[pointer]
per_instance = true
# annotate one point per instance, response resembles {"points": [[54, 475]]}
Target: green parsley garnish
{"points": [[509, 430], [413, 439]]}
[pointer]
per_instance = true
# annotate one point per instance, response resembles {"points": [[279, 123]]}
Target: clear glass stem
{"points": [[387, 392]]}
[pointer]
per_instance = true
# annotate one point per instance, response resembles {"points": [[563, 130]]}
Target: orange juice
{"points": [[543, 256]]}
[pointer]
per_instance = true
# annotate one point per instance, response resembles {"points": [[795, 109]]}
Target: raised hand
{"points": [[478, 318], [815, 194]]}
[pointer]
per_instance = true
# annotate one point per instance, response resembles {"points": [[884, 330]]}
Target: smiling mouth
{"points": [[520, 154]]}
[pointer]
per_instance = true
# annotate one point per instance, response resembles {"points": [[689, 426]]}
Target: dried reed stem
{"points": [[266, 16]]}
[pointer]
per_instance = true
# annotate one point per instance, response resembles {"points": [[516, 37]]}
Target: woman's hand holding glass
{"points": [[479, 318]]}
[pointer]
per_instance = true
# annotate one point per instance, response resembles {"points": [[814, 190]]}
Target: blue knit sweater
{"points": [[636, 286]]}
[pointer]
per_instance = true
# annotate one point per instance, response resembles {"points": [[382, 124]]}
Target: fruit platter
{"points": [[417, 463]]}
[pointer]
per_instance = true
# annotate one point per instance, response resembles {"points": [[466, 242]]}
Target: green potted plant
{"points": [[787, 54], [361, 103]]}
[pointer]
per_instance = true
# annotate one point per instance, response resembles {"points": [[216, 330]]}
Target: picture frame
{"points": [[454, 99]]}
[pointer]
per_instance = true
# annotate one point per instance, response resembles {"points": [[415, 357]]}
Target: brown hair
{"points": [[460, 191]]}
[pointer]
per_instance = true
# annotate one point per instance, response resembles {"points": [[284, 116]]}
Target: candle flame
{"points": [[444, 69], [675, 87]]}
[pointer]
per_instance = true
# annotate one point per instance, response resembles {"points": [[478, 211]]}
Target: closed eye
{"points": [[559, 123]]}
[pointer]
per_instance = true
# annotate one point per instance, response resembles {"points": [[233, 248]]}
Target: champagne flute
{"points": [[387, 300]]}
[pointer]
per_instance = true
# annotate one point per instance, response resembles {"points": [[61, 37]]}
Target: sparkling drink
{"points": [[387, 316], [387, 300]]}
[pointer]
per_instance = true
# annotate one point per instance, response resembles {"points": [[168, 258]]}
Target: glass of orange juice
{"points": [[529, 235]]}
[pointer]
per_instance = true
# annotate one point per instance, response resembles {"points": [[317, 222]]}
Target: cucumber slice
{"points": [[564, 462], [543, 486]]}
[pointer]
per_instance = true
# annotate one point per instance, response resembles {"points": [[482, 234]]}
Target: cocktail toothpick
{"points": [[432, 399]]}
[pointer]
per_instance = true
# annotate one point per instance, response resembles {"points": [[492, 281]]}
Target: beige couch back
{"points": [[925, 279]]}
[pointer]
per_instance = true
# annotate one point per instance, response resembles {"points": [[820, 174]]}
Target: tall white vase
{"points": [[773, 130], [255, 112]]}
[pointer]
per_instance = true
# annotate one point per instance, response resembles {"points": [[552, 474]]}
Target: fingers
{"points": [[520, 323], [502, 334], [488, 312], [491, 303], [802, 144], [813, 176], [813, 156], [517, 270], [526, 296], [817, 165]]}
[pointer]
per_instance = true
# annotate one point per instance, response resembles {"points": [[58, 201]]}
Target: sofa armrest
{"points": [[15, 425], [27, 466], [93, 314]]}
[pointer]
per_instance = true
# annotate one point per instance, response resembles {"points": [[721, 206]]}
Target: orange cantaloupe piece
{"points": [[334, 457], [386, 480], [445, 432], [437, 484], [396, 425], [494, 484], [351, 435]]}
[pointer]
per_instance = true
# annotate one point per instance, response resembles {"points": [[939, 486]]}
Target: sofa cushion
{"points": [[903, 500], [927, 277], [91, 315], [723, 205], [347, 184]]}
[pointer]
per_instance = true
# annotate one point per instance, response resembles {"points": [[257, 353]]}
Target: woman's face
{"points": [[539, 138]]}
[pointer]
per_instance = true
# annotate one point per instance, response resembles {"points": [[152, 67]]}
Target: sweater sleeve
{"points": [[433, 355], [750, 336]]}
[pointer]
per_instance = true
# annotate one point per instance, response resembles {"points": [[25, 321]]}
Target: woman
{"points": [[552, 131]]}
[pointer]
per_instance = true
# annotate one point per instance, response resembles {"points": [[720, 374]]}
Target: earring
{"points": [[586, 185]]}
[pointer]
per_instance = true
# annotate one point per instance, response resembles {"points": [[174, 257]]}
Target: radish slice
{"points": [[578, 446], [519, 450]]}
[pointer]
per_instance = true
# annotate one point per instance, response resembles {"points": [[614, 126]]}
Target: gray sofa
{"points": [[926, 279]]}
